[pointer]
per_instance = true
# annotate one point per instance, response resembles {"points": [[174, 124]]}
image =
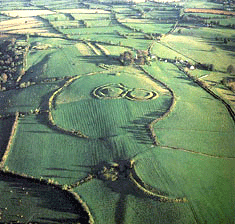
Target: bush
{"points": [[231, 69]]}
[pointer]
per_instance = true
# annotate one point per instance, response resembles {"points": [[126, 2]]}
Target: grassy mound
{"points": [[141, 94], [109, 91], [115, 91]]}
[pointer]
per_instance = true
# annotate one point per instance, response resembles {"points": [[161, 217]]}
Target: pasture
{"points": [[195, 48], [23, 201], [142, 143], [78, 98], [217, 124]]}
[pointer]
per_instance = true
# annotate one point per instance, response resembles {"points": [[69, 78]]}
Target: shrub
{"points": [[231, 69]]}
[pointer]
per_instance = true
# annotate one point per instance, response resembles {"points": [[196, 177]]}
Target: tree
{"points": [[213, 48], [4, 77], [126, 58], [231, 69]]}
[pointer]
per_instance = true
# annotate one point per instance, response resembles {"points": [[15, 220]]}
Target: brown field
{"points": [[25, 25], [211, 11], [84, 11], [84, 50], [26, 13]]}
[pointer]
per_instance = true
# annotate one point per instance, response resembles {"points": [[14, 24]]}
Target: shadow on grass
{"points": [[100, 59], [35, 71], [5, 132], [189, 81], [41, 198], [125, 187], [139, 127], [229, 47]]}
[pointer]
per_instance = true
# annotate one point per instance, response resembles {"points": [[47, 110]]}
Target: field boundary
{"points": [[84, 205], [203, 86], [50, 107], [93, 48], [102, 49], [140, 185], [169, 110], [10, 141], [198, 153]]}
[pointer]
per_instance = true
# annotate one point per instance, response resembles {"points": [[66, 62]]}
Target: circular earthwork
{"points": [[115, 91]]}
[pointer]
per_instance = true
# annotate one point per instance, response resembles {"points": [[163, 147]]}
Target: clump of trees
{"points": [[140, 58], [208, 67], [126, 58], [229, 82], [231, 69], [12, 61]]}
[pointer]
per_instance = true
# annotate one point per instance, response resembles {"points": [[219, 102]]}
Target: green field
{"points": [[151, 142], [23, 201]]}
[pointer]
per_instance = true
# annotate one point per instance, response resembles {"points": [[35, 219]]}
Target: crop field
{"points": [[151, 27], [221, 12], [117, 113], [27, 25], [26, 13], [16, 5]]}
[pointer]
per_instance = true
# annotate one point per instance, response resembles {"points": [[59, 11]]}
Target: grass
{"points": [[87, 17], [27, 99], [163, 51], [5, 132], [74, 62], [201, 4], [25, 201], [152, 28], [101, 198], [196, 138], [205, 182], [197, 48], [126, 205], [39, 144], [73, 103], [198, 122]]}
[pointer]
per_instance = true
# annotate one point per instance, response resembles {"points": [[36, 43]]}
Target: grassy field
{"points": [[128, 144], [41, 153], [206, 132], [125, 204], [24, 201], [43, 64], [207, 184], [194, 47], [5, 131], [77, 99], [26, 99]]}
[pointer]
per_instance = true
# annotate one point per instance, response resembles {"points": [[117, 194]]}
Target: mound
{"points": [[141, 94]]}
